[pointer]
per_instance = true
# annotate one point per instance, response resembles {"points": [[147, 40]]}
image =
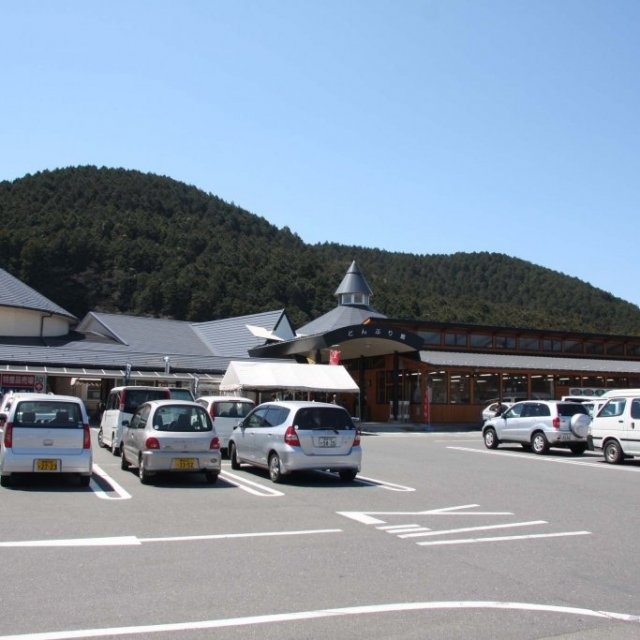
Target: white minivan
{"points": [[616, 428], [226, 412], [121, 404]]}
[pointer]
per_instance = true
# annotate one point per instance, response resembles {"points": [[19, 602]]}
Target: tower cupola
{"points": [[354, 289]]}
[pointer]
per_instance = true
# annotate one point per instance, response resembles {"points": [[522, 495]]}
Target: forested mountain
{"points": [[123, 241]]}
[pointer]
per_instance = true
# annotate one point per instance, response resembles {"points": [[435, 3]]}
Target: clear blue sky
{"points": [[421, 126]]}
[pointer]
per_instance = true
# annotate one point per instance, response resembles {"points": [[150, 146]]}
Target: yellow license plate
{"points": [[46, 465], [185, 463]]}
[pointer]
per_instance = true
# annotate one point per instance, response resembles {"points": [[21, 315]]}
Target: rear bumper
{"points": [[163, 461], [298, 461], [26, 463]]}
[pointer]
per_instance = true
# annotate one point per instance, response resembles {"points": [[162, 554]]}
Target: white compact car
{"points": [[45, 434], [226, 412], [616, 429]]}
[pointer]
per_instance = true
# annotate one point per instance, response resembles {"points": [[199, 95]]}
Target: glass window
{"points": [[633, 349], [505, 342], [614, 407], [438, 384], [430, 337], [481, 340], [615, 349], [594, 348], [551, 344], [529, 343], [486, 387], [573, 346], [515, 385], [455, 339], [460, 388], [635, 409]]}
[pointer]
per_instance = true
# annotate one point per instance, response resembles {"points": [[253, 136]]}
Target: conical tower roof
{"points": [[354, 282]]}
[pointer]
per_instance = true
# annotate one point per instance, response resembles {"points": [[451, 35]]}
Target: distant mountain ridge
{"points": [[123, 241]]}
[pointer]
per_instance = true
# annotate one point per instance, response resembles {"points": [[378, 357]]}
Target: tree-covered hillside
{"points": [[123, 241]]}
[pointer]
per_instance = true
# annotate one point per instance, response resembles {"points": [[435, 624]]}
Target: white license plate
{"points": [[563, 437], [326, 442]]}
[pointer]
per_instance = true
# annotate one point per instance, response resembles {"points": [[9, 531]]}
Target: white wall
{"points": [[26, 323]]}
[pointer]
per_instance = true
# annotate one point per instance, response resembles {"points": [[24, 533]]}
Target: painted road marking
{"points": [[389, 486], [296, 616], [249, 486], [413, 530], [135, 541], [121, 494], [512, 454]]}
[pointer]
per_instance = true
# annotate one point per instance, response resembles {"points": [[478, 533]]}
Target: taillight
{"points": [[151, 443], [555, 423], [8, 435], [291, 437], [356, 440], [215, 443], [86, 439]]}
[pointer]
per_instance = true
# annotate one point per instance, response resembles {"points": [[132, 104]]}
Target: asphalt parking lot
{"points": [[438, 537]]}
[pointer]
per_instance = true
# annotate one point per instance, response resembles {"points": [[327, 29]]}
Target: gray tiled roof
{"points": [[231, 337], [341, 316], [14, 293]]}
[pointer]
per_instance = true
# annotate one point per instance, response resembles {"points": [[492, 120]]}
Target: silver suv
{"points": [[540, 424], [290, 436]]}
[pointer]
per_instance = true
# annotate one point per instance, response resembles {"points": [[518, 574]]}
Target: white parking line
{"points": [[121, 494], [296, 616], [505, 538], [390, 486], [524, 456], [249, 486], [442, 532], [127, 541]]}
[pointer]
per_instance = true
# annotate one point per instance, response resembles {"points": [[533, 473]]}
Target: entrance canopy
{"points": [[292, 376]]}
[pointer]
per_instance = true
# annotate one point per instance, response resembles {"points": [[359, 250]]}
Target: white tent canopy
{"points": [[260, 376]]}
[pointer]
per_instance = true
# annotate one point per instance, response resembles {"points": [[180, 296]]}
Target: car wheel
{"points": [[211, 477], [348, 474], [539, 443], [143, 474], [490, 438], [578, 449], [100, 438], [124, 463], [612, 452], [84, 480], [235, 463], [275, 472], [5, 481]]}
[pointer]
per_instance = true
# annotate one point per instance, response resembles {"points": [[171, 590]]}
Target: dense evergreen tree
{"points": [[122, 241]]}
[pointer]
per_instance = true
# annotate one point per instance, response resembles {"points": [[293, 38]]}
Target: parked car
{"points": [[285, 436], [45, 434], [226, 412], [181, 393], [616, 429], [540, 424], [120, 406], [170, 436]]}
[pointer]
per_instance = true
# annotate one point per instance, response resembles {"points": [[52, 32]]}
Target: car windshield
{"points": [[323, 418], [181, 418], [53, 414], [181, 394]]}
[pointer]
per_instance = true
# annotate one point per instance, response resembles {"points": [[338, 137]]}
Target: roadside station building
{"points": [[406, 370]]}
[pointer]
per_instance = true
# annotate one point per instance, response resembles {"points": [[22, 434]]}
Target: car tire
{"points": [[101, 438], [275, 471], [124, 463], [5, 481], [84, 480], [612, 452], [348, 475], [539, 443], [490, 438], [578, 449], [143, 474], [211, 477], [233, 456]]}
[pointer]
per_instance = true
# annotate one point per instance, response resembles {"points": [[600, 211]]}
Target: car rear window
{"points": [[133, 398], [323, 418], [181, 418], [232, 409], [570, 409], [52, 414]]}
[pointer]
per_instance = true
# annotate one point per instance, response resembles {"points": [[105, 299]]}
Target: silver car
{"points": [[170, 436], [286, 436], [45, 434], [540, 424]]}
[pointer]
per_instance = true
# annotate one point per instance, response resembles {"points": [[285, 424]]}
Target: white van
{"points": [[121, 404], [616, 428], [226, 412]]}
